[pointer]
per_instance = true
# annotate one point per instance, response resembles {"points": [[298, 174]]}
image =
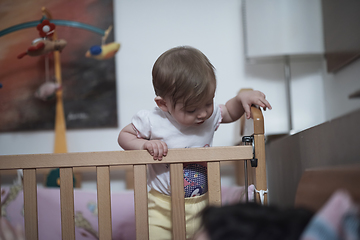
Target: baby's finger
{"points": [[156, 152], [149, 148], [247, 111], [160, 150], [165, 148], [266, 104]]}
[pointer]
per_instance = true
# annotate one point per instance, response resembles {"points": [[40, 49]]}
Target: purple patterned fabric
{"points": [[195, 180]]}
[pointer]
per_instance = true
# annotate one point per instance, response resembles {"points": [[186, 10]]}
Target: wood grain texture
{"points": [[30, 204], [104, 202], [333, 143], [260, 170], [258, 120], [214, 183], [129, 175], [67, 204], [141, 202], [113, 158], [177, 201], [317, 185]]}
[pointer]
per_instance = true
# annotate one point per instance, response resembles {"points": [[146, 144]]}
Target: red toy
{"points": [[44, 46]]}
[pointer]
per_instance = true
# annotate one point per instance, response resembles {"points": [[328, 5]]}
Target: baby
{"points": [[185, 117]]}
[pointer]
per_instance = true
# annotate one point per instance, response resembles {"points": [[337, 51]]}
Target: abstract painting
{"points": [[88, 85]]}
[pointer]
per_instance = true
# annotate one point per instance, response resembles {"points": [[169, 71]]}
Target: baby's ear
{"points": [[162, 104]]}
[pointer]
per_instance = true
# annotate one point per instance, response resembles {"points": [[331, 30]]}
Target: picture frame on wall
{"points": [[88, 84]]}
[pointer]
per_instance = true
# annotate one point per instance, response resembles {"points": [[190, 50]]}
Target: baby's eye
{"points": [[191, 111]]}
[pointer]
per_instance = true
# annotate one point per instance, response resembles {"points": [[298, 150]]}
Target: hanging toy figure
{"points": [[43, 46], [46, 29], [105, 51], [47, 91]]}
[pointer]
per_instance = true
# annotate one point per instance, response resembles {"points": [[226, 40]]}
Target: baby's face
{"points": [[194, 115]]}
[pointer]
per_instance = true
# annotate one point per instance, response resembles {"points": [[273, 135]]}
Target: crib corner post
{"points": [[259, 144], [260, 170]]}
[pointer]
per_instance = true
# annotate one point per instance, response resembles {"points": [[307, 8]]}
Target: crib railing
{"points": [[138, 159]]}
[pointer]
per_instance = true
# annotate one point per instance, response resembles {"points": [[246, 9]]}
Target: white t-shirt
{"points": [[159, 125]]}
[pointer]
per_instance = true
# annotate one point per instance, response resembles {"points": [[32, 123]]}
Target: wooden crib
{"points": [[138, 159]]}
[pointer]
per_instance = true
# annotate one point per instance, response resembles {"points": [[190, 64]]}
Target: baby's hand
{"points": [[158, 149], [253, 97]]}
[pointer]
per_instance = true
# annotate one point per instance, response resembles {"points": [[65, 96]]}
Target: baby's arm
{"points": [[128, 140], [241, 103]]}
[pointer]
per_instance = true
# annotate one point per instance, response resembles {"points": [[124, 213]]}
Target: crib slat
{"points": [[214, 183], [67, 204], [141, 202], [129, 175], [177, 201], [30, 204], [104, 202]]}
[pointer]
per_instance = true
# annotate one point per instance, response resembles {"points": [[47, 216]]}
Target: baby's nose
{"points": [[202, 113]]}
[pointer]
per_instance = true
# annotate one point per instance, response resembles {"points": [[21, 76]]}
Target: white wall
{"points": [[148, 28], [283, 27], [338, 87], [274, 31]]}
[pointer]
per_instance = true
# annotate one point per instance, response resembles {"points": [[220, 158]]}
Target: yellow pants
{"points": [[160, 215]]}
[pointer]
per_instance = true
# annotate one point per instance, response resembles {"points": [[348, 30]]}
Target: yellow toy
{"points": [[105, 51]]}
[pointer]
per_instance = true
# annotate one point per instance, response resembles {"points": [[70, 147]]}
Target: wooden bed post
{"points": [[259, 143]]}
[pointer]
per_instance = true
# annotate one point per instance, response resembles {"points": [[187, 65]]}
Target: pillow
{"points": [[86, 222]]}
